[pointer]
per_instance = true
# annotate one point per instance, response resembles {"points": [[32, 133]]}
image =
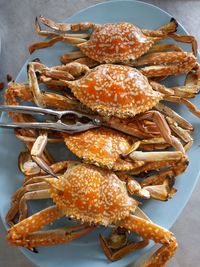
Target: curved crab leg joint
{"points": [[192, 108], [182, 133], [35, 194], [175, 116], [21, 196], [186, 39], [163, 127], [37, 151], [158, 234], [34, 87]]}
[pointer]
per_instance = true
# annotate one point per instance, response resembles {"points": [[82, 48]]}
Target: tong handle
{"points": [[30, 110], [56, 126], [44, 111]]}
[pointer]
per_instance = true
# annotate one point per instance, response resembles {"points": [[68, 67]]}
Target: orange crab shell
{"points": [[116, 42], [116, 90], [103, 147], [92, 194]]}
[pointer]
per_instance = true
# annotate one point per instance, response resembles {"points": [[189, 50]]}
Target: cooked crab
{"points": [[117, 92], [162, 190], [114, 150], [34, 188], [123, 43], [94, 196]]}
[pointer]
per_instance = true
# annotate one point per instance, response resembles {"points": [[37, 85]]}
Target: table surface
{"points": [[16, 25]]}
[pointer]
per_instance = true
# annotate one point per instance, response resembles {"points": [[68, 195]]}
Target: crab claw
{"points": [[164, 191], [27, 232]]}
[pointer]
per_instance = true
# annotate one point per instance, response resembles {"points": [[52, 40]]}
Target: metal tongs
{"points": [[65, 121]]}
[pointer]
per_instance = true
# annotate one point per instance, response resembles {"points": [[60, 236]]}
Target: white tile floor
{"points": [[18, 12]]}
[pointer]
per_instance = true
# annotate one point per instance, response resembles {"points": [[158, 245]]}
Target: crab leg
{"points": [[66, 26], [28, 192], [153, 144], [53, 34], [51, 42], [175, 170], [193, 77], [163, 127], [58, 168], [187, 91], [11, 95], [79, 56], [158, 234], [37, 152], [165, 47], [175, 116], [65, 58], [185, 39], [133, 128], [192, 108], [166, 63], [71, 56], [163, 30], [182, 133], [32, 139], [155, 156], [34, 194], [63, 72], [32, 184], [58, 236], [69, 38], [29, 238], [149, 166], [164, 71], [159, 58], [159, 192], [57, 76], [24, 92]]}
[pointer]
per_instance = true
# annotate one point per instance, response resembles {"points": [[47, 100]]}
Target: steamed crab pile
{"points": [[139, 151]]}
